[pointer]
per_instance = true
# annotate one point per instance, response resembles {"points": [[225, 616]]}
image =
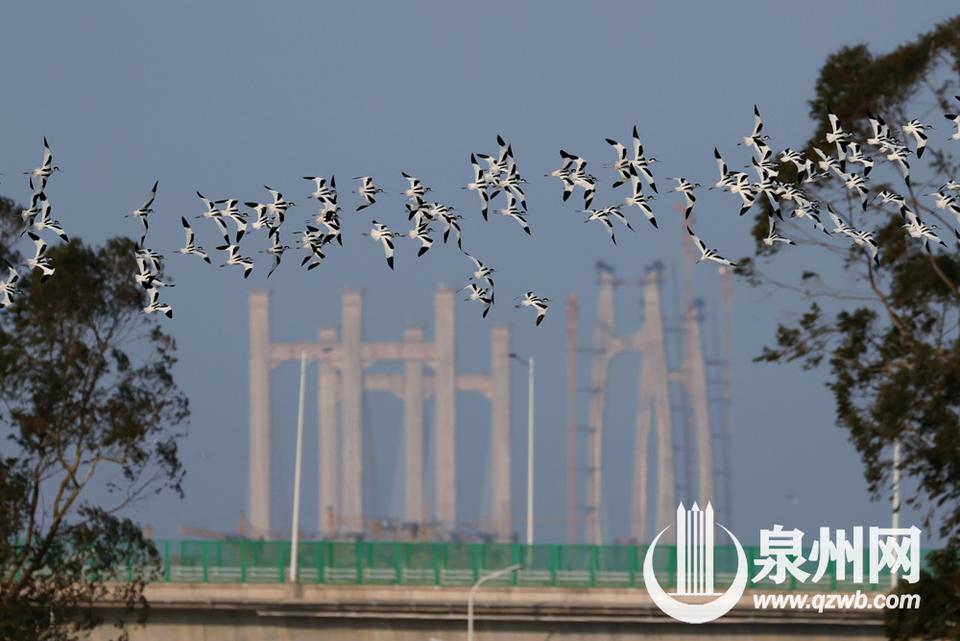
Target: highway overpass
{"points": [[249, 612]]}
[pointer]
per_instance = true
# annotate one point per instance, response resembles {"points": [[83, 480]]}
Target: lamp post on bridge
{"points": [[528, 363], [476, 586], [295, 535]]}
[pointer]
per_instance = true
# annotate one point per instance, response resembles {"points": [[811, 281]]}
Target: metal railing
{"points": [[462, 564]]}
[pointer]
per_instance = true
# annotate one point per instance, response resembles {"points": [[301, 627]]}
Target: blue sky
{"points": [[224, 98]]}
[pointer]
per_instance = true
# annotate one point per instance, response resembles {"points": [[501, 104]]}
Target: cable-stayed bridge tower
{"points": [[653, 407], [342, 357]]}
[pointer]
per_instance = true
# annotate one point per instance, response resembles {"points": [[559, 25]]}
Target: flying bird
{"points": [[143, 211], [686, 188], [46, 169], [39, 260], [708, 254], [538, 303], [382, 234], [189, 247], [367, 191]]}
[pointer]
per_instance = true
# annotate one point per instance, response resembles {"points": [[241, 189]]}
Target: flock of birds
{"points": [[500, 174]]}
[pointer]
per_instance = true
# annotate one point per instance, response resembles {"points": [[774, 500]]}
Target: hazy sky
{"points": [[227, 97]]}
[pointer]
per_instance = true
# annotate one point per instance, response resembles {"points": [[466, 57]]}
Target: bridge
{"points": [[233, 590]]}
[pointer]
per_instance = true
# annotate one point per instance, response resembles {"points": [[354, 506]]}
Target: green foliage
{"points": [[939, 614], [890, 334], [89, 405], [853, 82]]}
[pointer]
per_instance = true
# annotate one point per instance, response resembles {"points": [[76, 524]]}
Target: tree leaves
{"points": [[87, 393]]}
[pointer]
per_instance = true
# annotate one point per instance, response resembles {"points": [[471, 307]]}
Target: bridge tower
{"points": [[653, 406], [341, 363]]}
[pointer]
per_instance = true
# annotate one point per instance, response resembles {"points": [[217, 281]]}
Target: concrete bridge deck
{"points": [[246, 612]]}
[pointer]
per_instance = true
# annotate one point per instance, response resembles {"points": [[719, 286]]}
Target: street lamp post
{"points": [[528, 363], [295, 535], [473, 592]]}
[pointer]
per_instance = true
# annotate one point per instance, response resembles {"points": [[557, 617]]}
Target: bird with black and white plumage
{"points": [[918, 130], [587, 182], [39, 260], [149, 269], [622, 164], [641, 163], [856, 182], [482, 273], [799, 161], [736, 182], [862, 238], [686, 188], [727, 178], [276, 250], [638, 198], [481, 294], [143, 211], [264, 219], [837, 135], [917, 229], [421, 231], [331, 221], [604, 216], [313, 240], [865, 238], [707, 253], [855, 155], [572, 174], [214, 214], [323, 192], [774, 237], [416, 189], [37, 201], [898, 155], [514, 212], [154, 304], [367, 191], [886, 196], [769, 186], [269, 215], [190, 247], [234, 258], [479, 185], [766, 168], [419, 211], [756, 139], [829, 163], [947, 202], [232, 212], [511, 183], [881, 135], [442, 214], [840, 227], [382, 234], [504, 160], [807, 208], [45, 170], [955, 119], [8, 289], [149, 256], [278, 208], [47, 222], [537, 302]]}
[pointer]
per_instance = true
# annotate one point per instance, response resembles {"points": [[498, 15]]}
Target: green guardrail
{"points": [[462, 564]]}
